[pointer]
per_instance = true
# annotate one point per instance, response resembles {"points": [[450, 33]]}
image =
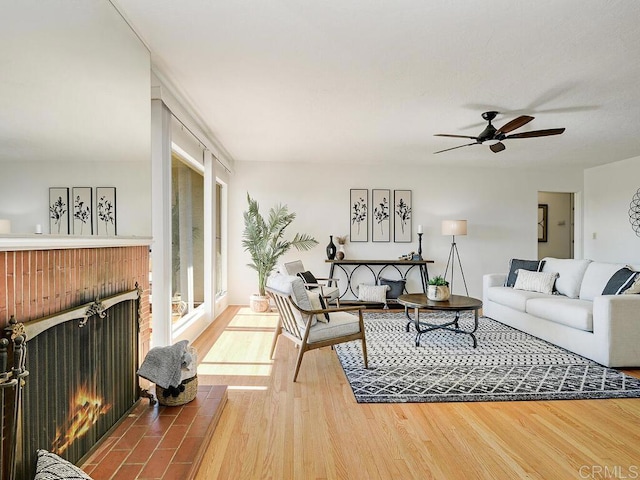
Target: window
{"points": [[187, 240], [220, 284]]}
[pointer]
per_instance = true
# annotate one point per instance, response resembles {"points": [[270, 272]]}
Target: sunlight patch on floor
{"points": [[243, 347], [246, 369]]}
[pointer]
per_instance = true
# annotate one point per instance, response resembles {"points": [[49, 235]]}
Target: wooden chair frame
{"points": [[288, 327]]}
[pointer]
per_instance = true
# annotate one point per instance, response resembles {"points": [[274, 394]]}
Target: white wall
{"points": [[499, 204], [24, 191], [75, 111], [609, 190]]}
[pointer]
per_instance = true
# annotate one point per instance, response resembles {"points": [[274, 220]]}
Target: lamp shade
{"points": [[454, 227], [5, 226]]}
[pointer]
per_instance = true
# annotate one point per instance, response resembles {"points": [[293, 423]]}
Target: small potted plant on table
{"points": [[438, 289]]}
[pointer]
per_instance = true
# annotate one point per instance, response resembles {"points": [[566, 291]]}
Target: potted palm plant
{"points": [[438, 289], [263, 239]]}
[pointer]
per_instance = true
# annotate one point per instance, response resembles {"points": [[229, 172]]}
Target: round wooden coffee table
{"points": [[456, 303]]}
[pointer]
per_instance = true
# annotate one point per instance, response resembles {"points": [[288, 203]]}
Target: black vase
{"points": [[331, 249]]}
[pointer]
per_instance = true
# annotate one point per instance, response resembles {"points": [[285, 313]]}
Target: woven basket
{"points": [[189, 393]]}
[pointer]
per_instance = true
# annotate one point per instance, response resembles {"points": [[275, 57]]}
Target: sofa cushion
{"points": [[596, 277], [516, 264], [535, 281], [620, 281], [570, 272], [516, 299], [571, 312]]}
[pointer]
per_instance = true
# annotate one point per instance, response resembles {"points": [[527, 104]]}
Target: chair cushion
{"points": [[292, 268], [330, 293], [396, 287], [516, 264], [342, 323]]}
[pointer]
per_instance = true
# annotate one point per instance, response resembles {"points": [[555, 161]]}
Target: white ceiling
{"points": [[364, 81]]}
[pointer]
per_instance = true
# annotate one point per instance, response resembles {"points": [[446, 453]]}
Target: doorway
{"points": [[556, 212]]}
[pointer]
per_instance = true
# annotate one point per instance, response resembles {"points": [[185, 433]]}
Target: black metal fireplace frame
{"points": [[13, 370]]}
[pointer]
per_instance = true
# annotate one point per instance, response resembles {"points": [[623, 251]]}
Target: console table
{"points": [[403, 267]]}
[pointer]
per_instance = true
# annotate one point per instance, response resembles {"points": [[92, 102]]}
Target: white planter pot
{"points": [[438, 293], [259, 303]]}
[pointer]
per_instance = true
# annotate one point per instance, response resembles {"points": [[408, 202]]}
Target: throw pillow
{"points": [[308, 277], [635, 288], [396, 287], [516, 264], [318, 303], [535, 281], [51, 467], [620, 281], [372, 293]]}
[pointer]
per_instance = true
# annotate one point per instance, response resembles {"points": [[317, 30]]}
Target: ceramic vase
{"points": [[331, 249]]}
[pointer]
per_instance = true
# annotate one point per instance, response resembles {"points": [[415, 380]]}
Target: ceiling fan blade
{"points": [[459, 146], [537, 133], [514, 124], [497, 147], [453, 136]]}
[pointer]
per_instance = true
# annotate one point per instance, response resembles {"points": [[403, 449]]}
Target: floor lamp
{"points": [[453, 228]]}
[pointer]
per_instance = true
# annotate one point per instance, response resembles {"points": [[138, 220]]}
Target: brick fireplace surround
{"points": [[152, 442], [37, 283]]}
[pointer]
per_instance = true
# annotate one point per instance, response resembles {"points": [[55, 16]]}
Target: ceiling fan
{"points": [[496, 136]]}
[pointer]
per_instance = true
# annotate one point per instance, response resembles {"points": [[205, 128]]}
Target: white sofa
{"points": [[577, 317]]}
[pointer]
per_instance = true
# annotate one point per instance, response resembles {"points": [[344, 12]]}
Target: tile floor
{"points": [[159, 442]]}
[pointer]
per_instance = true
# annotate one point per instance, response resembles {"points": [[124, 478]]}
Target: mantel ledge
{"points": [[17, 242]]}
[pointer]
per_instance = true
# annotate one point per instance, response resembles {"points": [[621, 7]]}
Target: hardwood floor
{"points": [[272, 428]]}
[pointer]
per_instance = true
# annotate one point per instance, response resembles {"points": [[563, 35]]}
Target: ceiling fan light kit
{"points": [[494, 137]]}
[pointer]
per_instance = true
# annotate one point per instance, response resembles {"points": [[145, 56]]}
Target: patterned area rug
{"points": [[507, 365]]}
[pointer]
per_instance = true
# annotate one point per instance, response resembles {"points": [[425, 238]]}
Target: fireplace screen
{"points": [[82, 379]]}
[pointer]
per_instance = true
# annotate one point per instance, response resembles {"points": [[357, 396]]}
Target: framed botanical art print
{"points": [[359, 215], [106, 211], [59, 210], [402, 215], [380, 219], [82, 204]]}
